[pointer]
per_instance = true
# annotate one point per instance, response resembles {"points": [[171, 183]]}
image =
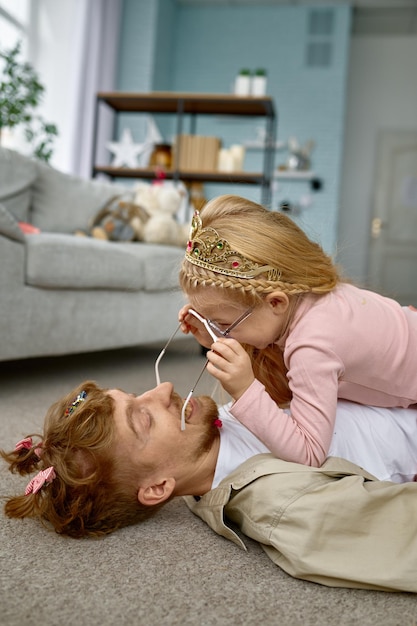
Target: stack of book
{"points": [[196, 153]]}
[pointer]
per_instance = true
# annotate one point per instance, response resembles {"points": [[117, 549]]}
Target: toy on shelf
{"points": [[149, 214], [299, 159]]}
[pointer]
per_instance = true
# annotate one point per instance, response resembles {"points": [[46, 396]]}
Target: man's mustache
{"points": [[177, 400]]}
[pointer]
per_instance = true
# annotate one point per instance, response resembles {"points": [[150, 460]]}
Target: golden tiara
{"points": [[206, 249]]}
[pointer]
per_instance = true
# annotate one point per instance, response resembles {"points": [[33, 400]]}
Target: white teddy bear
{"points": [[163, 202]]}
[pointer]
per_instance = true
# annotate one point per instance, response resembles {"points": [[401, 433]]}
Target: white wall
{"points": [[382, 94], [57, 59], [76, 56]]}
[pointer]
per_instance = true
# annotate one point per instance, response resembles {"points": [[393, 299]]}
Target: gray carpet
{"points": [[172, 569]]}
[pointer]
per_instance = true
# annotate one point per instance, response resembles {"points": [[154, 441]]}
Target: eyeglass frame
{"points": [[215, 333]]}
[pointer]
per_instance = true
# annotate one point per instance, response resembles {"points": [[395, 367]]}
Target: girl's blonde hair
{"points": [[93, 493], [267, 238]]}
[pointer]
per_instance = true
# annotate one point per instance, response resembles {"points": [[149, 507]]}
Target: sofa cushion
{"points": [[64, 203], [58, 261], [9, 226], [161, 264], [17, 174]]}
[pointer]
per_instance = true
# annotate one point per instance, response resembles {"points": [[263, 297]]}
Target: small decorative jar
{"points": [[242, 83], [161, 156], [258, 87]]}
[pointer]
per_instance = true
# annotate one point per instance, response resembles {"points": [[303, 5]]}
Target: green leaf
{"points": [[20, 94]]}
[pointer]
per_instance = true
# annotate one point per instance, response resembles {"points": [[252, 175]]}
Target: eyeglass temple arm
{"points": [[158, 360], [237, 322], [226, 332], [214, 337], [205, 322], [188, 398]]}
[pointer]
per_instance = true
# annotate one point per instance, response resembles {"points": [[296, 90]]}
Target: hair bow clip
{"points": [[24, 444], [42, 477], [80, 398]]}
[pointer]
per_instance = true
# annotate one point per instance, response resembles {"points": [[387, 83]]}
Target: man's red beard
{"points": [[208, 414]]}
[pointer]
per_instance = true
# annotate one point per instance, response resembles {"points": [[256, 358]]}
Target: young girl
{"points": [[309, 336]]}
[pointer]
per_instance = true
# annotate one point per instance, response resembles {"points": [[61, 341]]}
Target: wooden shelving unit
{"points": [[181, 104]]}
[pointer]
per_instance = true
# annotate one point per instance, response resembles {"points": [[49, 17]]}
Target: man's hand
{"points": [[190, 324], [231, 365]]}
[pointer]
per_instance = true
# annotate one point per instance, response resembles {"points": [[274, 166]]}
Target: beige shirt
{"points": [[336, 525]]}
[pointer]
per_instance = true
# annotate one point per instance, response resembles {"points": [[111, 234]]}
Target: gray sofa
{"points": [[62, 294]]}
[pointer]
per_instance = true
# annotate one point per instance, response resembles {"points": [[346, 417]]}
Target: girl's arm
{"points": [[289, 439], [304, 434]]}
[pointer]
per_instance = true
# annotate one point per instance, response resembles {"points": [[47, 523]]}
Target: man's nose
{"points": [[164, 391]]}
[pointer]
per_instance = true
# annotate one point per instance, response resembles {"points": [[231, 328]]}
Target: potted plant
{"points": [[20, 95]]}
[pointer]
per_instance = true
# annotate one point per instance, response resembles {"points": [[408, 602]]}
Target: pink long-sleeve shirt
{"points": [[350, 343]]}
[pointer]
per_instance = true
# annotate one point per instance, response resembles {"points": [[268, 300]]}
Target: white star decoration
{"points": [[125, 151]]}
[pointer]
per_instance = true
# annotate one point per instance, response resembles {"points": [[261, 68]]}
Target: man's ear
{"points": [[278, 301], [156, 493]]}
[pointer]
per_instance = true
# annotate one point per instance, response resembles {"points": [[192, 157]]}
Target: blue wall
{"points": [[179, 47]]}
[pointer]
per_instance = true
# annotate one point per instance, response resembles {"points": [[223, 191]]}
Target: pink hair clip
{"points": [[24, 444], [44, 476]]}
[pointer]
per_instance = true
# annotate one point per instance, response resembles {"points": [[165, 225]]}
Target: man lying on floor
{"points": [[108, 459]]}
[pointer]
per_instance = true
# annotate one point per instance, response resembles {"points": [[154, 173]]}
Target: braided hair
{"points": [[267, 238]]}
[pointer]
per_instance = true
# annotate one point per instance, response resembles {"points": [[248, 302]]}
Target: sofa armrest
{"points": [[9, 227]]}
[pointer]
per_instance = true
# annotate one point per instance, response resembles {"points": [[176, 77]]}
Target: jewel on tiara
{"points": [[207, 249], [80, 398]]}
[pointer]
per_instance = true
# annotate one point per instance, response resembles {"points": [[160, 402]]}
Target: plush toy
{"points": [[163, 203], [149, 213], [119, 220]]}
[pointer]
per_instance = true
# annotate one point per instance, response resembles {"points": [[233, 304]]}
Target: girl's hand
{"points": [[231, 365], [190, 324]]}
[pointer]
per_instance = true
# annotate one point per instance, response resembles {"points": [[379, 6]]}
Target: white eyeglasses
{"points": [[215, 332]]}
